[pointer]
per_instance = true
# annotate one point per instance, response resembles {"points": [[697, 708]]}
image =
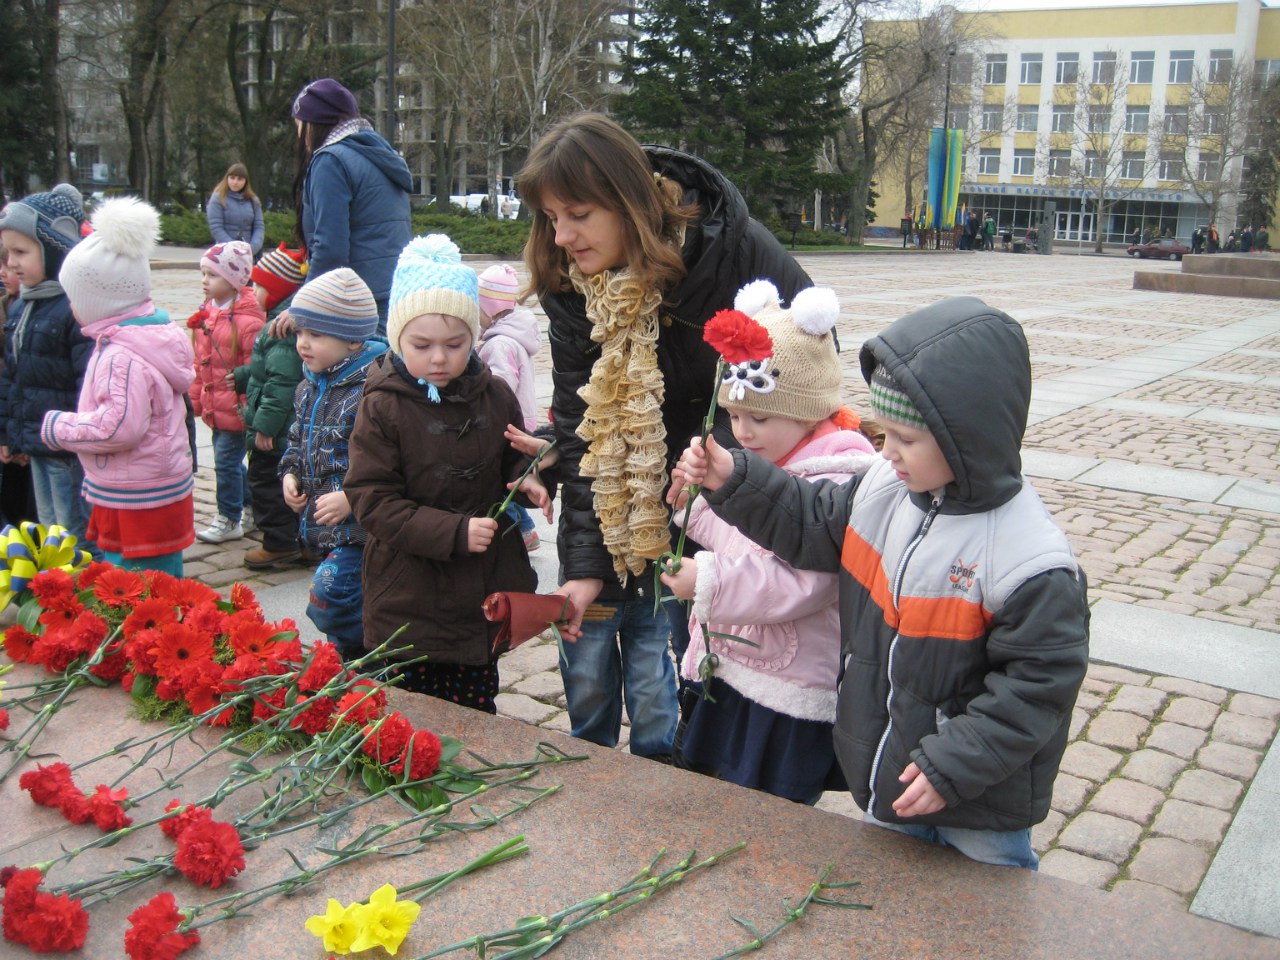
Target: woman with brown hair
{"points": [[630, 251], [234, 211]]}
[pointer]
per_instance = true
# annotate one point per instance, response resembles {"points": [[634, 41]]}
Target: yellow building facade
{"points": [[1040, 127]]}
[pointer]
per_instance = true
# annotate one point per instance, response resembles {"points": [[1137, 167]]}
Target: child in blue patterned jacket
{"points": [[336, 321]]}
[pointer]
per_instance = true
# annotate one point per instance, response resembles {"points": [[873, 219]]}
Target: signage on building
{"points": [[1019, 190]]}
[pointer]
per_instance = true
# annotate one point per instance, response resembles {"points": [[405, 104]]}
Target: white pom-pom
{"points": [[755, 296], [435, 247], [815, 310], [127, 226]]}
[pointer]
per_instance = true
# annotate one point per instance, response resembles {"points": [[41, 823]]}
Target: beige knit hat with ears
{"points": [[801, 381]]}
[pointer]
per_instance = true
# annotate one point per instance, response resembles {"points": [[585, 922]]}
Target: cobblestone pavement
{"points": [[1158, 765]]}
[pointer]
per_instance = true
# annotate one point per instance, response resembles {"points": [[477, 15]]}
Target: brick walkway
{"points": [[1159, 762]]}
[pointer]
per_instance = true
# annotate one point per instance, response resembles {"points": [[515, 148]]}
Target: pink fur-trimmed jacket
{"points": [[744, 590], [130, 427], [508, 347]]}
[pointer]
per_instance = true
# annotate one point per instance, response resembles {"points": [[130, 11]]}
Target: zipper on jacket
{"points": [[311, 432], [898, 576]]}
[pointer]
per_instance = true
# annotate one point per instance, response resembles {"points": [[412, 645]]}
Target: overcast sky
{"points": [[1061, 4]]}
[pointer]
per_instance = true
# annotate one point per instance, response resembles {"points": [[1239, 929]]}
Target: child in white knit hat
{"points": [[509, 338], [129, 429], [429, 468], [766, 719]]}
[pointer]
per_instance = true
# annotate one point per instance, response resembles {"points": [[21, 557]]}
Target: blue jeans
{"points": [[231, 474], [626, 655], [1002, 848], [336, 604], [57, 482]]}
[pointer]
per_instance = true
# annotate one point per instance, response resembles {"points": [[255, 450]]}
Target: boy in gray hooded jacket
{"points": [[963, 613]]}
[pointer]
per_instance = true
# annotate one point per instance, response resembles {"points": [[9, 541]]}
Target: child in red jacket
{"points": [[223, 331]]}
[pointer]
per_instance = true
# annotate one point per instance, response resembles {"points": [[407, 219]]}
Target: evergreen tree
{"points": [[746, 84], [26, 127], [1261, 182]]}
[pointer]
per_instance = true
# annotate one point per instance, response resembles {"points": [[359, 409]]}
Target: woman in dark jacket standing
{"points": [[630, 252], [351, 191], [234, 211]]}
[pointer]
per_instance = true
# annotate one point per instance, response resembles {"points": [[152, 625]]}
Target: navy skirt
{"points": [[738, 740]]}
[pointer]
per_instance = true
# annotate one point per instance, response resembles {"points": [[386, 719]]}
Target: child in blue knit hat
{"points": [[45, 353], [429, 467]]}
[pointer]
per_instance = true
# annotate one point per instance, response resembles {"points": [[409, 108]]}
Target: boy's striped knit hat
{"points": [[280, 272], [337, 304], [890, 402], [499, 287], [430, 277]]}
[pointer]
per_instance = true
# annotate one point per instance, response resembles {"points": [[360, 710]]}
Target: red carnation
{"points": [[45, 922], [423, 754], [153, 931], [737, 337], [325, 664], [17, 643], [119, 588], [316, 718], [106, 807], [264, 708], [87, 577], [4, 720], [57, 648], [53, 588], [363, 704], [209, 853], [386, 742], [207, 617], [192, 814], [47, 784]]}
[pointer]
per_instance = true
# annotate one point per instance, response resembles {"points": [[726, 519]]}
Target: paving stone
{"points": [[1095, 687], [1252, 705], [1208, 789], [1088, 702], [1190, 688], [546, 686], [1177, 739], [1153, 768], [533, 657], [1113, 728], [1170, 863], [841, 802], [223, 578], [524, 708], [1244, 731], [1229, 759], [557, 721], [1145, 701], [1127, 799], [1191, 822], [1078, 869], [1090, 761], [1101, 837], [1139, 893], [195, 569], [1079, 720], [1191, 712], [1069, 793], [1109, 674], [1043, 833]]}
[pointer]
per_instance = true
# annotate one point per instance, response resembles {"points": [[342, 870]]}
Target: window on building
{"points": [[1220, 65], [1215, 120], [1136, 119], [1099, 119], [992, 116], [1068, 68], [961, 69], [1032, 68], [1060, 163], [86, 156], [1028, 118], [997, 68], [1266, 71], [1176, 120], [1104, 67], [1024, 163], [1170, 167], [1142, 66], [989, 162], [1207, 169], [1092, 164], [1132, 164], [1063, 119], [958, 118], [1181, 63]]}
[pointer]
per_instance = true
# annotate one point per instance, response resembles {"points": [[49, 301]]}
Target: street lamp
{"points": [[391, 72], [946, 138]]}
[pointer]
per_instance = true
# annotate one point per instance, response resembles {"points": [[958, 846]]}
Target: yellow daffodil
{"points": [[337, 927], [384, 921]]}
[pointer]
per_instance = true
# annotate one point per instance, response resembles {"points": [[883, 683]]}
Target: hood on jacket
{"points": [[379, 153], [391, 375], [521, 326], [841, 451], [158, 341], [966, 368], [344, 369]]}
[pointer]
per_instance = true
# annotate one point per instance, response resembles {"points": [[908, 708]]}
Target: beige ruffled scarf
{"points": [[622, 425]]}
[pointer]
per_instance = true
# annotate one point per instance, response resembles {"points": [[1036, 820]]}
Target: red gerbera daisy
{"points": [[209, 853], [242, 598], [87, 577], [119, 588], [737, 337], [249, 638], [185, 593], [178, 645], [153, 931], [147, 615]]}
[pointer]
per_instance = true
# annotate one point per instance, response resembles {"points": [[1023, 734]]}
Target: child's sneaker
{"points": [[220, 531], [531, 540]]}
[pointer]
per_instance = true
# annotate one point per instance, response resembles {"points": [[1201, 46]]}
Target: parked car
{"points": [[1166, 248]]}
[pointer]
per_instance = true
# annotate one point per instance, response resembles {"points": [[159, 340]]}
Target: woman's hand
{"points": [[281, 326], [537, 493], [531, 446], [582, 594]]}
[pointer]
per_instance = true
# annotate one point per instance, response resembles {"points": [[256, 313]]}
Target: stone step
{"points": [[1214, 285], [1264, 265]]}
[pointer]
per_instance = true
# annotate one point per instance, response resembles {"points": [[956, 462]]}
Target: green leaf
{"points": [[29, 613], [449, 748], [732, 636]]}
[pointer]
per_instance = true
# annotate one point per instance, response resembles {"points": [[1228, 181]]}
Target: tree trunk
{"points": [[861, 188]]}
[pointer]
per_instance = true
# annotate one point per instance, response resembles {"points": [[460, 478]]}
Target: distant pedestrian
{"points": [[234, 212], [989, 233], [1246, 238], [506, 210], [1262, 242], [1213, 238]]}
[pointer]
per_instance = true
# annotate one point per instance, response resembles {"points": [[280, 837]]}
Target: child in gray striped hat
{"points": [[336, 321]]}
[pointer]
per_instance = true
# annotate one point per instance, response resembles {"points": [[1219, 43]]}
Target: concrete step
{"points": [[1212, 284], [1265, 265]]}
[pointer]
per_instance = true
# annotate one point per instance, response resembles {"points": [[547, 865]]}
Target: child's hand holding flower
{"points": [[480, 533], [707, 466], [684, 581]]}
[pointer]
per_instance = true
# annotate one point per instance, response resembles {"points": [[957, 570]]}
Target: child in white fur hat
{"points": [[429, 465], [129, 429]]}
